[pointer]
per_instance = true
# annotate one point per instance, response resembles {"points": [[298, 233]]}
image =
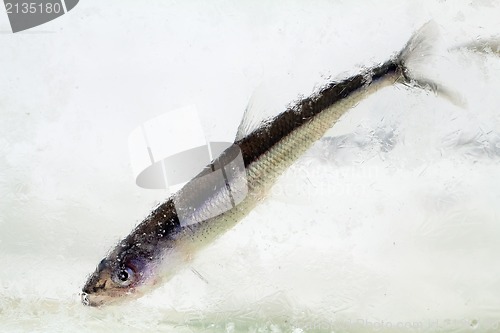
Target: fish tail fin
{"points": [[417, 53]]}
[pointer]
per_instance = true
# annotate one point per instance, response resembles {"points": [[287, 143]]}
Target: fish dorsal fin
{"points": [[261, 108], [274, 96], [256, 113]]}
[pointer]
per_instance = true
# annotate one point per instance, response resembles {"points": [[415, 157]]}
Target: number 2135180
{"points": [[33, 8]]}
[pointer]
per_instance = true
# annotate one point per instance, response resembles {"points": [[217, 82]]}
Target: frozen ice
{"points": [[388, 224]]}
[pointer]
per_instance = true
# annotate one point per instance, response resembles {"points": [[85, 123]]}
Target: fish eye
{"points": [[125, 276]]}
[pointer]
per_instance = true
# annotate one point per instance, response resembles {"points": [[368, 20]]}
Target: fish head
{"points": [[117, 278]]}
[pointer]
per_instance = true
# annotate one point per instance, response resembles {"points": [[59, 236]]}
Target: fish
{"points": [[192, 218]]}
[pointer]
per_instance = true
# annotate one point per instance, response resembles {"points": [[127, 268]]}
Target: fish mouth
{"points": [[85, 299], [90, 297], [95, 300], [110, 297]]}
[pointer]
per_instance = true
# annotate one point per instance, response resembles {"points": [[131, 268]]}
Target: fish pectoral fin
{"points": [[198, 274]]}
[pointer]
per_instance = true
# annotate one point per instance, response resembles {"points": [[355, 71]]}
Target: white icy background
{"points": [[395, 223]]}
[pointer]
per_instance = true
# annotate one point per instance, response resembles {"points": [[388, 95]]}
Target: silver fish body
{"points": [[163, 243]]}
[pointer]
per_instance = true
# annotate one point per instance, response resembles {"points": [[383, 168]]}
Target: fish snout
{"points": [[85, 298], [92, 300]]}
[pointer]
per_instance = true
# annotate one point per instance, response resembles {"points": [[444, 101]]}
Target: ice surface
{"points": [[390, 223]]}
